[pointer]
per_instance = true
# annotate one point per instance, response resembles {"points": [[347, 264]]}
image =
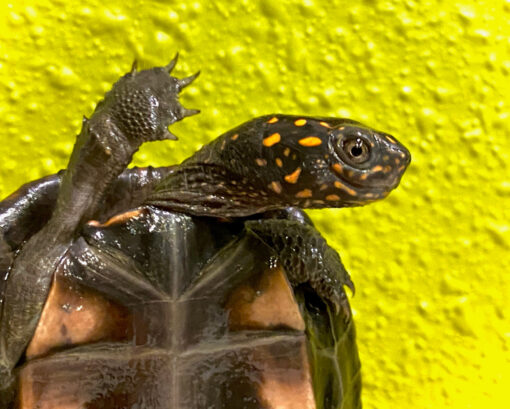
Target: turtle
{"points": [[198, 285]]}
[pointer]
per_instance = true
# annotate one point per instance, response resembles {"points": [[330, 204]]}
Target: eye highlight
{"points": [[356, 149]]}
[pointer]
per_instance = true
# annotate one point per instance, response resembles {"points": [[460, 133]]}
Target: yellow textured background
{"points": [[431, 263]]}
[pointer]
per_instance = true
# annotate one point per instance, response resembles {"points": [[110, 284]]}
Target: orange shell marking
{"points": [[300, 122], [293, 177], [310, 141], [234, 137], [120, 218], [272, 120], [271, 139]]}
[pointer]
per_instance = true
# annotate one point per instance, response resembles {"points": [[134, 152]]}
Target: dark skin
{"points": [[265, 165]]}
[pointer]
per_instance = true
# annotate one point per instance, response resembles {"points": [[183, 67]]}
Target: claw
{"points": [[134, 67], [170, 66], [341, 305], [184, 82], [166, 134], [189, 112], [350, 284]]}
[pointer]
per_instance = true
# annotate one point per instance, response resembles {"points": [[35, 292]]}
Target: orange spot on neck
{"points": [[275, 187], [304, 193]]}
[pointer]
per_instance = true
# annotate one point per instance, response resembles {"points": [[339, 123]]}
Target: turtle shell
{"points": [[154, 309]]}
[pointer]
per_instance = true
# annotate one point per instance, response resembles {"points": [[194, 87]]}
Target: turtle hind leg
{"points": [[307, 258]]}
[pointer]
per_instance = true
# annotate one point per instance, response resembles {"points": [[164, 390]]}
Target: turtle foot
{"points": [[141, 106], [306, 257]]}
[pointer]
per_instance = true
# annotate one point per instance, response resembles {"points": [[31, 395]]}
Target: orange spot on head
{"points": [[272, 120], [286, 152], [271, 139], [293, 177], [337, 168], [310, 141], [377, 168], [304, 193], [325, 124], [364, 176], [261, 162], [340, 185], [275, 187], [300, 122], [234, 137], [332, 198], [279, 162], [323, 187]]}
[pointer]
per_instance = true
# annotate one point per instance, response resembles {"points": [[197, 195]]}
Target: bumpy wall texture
{"points": [[431, 262]]}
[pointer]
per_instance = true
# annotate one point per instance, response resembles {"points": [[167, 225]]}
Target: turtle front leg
{"points": [[306, 257], [138, 109]]}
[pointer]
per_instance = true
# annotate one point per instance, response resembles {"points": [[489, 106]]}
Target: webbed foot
{"points": [[307, 258]]}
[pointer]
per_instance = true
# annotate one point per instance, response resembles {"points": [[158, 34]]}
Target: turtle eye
{"points": [[356, 149]]}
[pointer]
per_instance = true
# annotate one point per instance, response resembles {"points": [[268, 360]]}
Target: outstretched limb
{"points": [[138, 109], [306, 256]]}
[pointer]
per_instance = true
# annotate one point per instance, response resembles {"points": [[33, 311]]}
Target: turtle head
{"points": [[335, 162], [278, 161], [313, 162]]}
